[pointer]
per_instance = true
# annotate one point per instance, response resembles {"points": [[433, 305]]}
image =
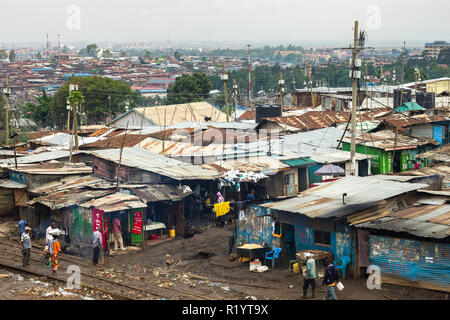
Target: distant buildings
{"points": [[432, 49]]}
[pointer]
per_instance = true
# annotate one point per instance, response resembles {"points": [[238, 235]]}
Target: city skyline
{"points": [[325, 23]]}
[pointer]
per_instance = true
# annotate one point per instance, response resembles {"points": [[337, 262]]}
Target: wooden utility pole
{"points": [[224, 77], [281, 85], [313, 103], [120, 158], [366, 78], [7, 92], [235, 93], [355, 77]]}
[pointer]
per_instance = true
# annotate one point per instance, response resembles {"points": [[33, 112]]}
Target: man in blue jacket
{"points": [[331, 279]]}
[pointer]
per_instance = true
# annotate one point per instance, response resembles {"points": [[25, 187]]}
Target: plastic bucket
{"points": [[172, 233], [340, 286], [295, 268]]}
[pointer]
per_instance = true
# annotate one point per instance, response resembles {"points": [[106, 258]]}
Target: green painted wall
{"points": [[381, 164]]}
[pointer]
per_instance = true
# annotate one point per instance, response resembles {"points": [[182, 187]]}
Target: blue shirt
{"points": [[22, 224], [250, 197]]}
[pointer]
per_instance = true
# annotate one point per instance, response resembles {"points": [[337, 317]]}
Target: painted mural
{"points": [[255, 226]]}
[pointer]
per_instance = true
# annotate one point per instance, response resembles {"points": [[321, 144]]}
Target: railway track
{"points": [[144, 288]]}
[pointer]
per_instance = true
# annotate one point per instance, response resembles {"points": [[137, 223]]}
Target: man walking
{"points": [[117, 232], [331, 279], [48, 240], [310, 276], [22, 224], [231, 236], [26, 246], [97, 245]]}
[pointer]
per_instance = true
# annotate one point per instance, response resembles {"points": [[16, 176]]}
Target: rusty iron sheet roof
{"points": [[69, 182], [140, 158], [115, 202], [60, 168], [388, 140], [263, 164], [326, 200], [430, 221], [116, 141], [316, 119], [439, 154], [66, 198], [160, 192]]}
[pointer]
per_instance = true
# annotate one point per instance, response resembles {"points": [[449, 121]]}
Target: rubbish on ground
{"points": [[340, 286], [262, 268]]}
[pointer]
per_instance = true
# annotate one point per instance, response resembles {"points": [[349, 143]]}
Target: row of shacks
{"points": [[397, 222]]}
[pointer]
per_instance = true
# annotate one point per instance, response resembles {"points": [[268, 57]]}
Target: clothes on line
{"points": [[222, 208]]}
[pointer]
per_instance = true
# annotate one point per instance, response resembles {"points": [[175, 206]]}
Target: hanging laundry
{"points": [[222, 208], [221, 198]]}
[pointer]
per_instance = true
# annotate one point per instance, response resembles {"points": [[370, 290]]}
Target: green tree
{"points": [[12, 56], [410, 75], [92, 50], [39, 113], [177, 55], [444, 56], [97, 106], [3, 54], [189, 88]]}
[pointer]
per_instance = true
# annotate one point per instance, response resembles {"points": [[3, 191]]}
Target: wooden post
{"points": [[120, 158]]}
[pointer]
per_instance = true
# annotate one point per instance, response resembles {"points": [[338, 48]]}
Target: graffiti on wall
{"points": [[343, 242], [256, 227]]}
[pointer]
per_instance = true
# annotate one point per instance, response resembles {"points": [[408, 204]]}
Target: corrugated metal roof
{"points": [[67, 198], [439, 154], [263, 164], [160, 192], [140, 158], [388, 140], [115, 202], [430, 221], [326, 201], [63, 139], [36, 158], [194, 111], [10, 184], [54, 169]]}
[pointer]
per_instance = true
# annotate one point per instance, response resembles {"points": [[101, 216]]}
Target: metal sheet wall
{"points": [[255, 227], [426, 264]]}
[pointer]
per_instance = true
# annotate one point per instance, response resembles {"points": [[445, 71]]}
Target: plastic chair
{"points": [[272, 255], [341, 264]]}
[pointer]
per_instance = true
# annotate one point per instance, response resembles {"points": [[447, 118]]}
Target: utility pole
{"points": [[366, 78], [356, 74], [224, 77], [59, 47], [394, 78], [7, 92], [293, 83], [281, 85], [249, 77], [74, 87], [235, 94], [313, 103], [403, 61]]}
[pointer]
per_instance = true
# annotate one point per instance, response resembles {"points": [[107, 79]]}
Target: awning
{"points": [[115, 202], [10, 184], [299, 162], [161, 192]]}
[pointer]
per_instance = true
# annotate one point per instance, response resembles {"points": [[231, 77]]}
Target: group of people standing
{"points": [[331, 277], [53, 246]]}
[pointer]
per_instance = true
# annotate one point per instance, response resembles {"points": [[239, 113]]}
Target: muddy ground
{"points": [[200, 265], [205, 255]]}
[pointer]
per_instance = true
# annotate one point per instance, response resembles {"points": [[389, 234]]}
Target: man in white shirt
{"points": [[48, 240], [97, 243]]}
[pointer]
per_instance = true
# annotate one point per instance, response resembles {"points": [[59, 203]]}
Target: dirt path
{"points": [[198, 267]]}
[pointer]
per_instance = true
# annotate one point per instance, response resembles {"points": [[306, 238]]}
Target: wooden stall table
{"points": [[155, 226], [317, 255], [251, 251]]}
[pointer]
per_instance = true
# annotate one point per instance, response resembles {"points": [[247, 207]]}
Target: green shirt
{"points": [[311, 266]]}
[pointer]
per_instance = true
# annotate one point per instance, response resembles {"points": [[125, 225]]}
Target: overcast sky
{"points": [[296, 21]]}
